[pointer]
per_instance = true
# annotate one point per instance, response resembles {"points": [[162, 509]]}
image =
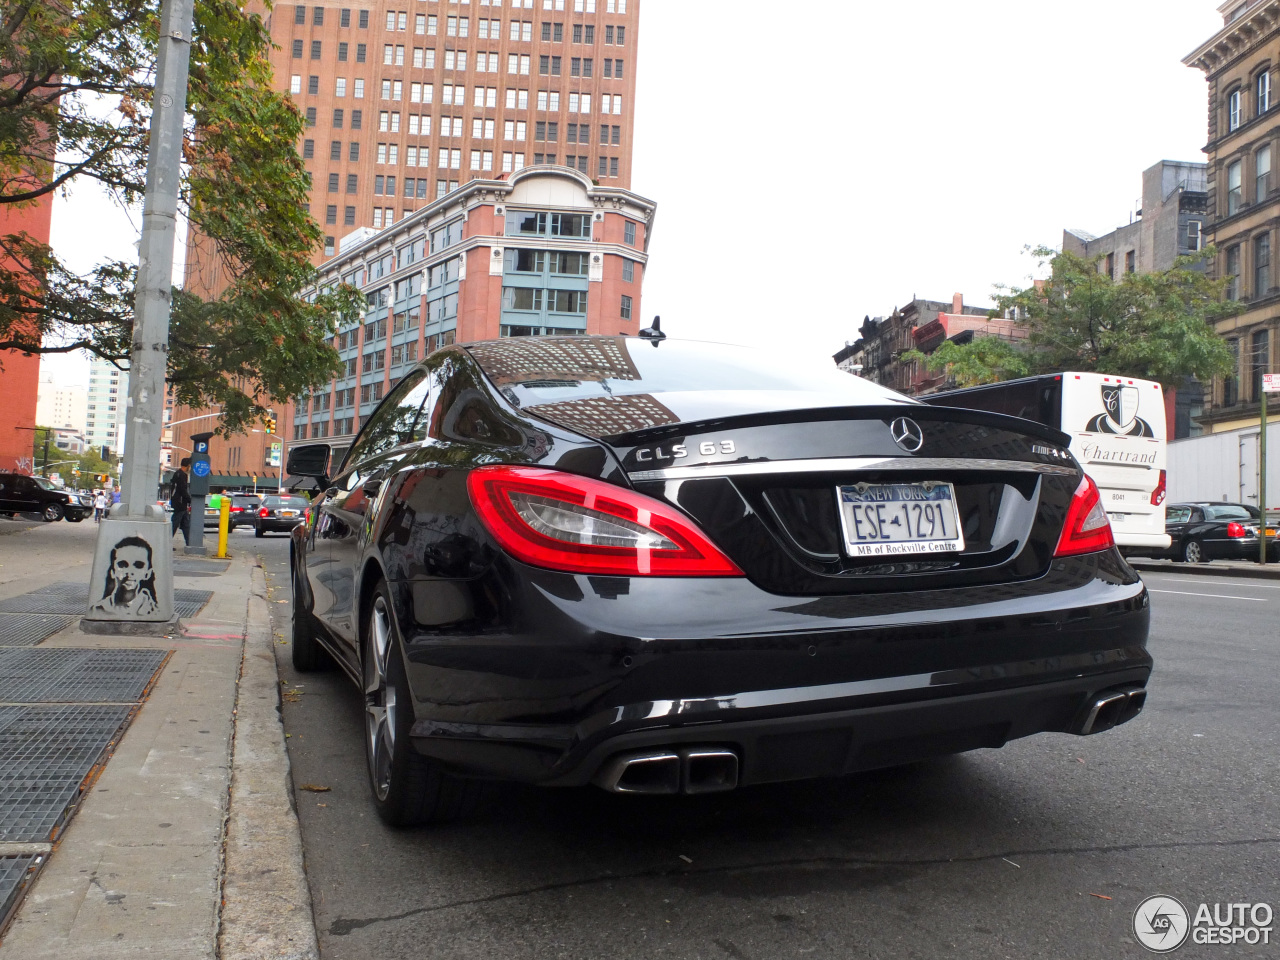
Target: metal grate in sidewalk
{"points": [[76, 675], [15, 874], [72, 599], [28, 629], [47, 754]]}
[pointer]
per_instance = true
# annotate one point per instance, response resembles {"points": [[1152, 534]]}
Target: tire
{"points": [[75, 519], [1193, 552], [258, 532], [408, 789], [51, 513], [308, 655]]}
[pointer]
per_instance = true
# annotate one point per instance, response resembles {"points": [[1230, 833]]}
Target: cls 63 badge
{"points": [[707, 448]]}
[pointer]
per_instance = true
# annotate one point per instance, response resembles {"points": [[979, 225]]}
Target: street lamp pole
{"points": [[137, 533]]}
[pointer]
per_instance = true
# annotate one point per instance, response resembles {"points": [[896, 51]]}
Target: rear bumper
{"points": [[795, 687], [1143, 541]]}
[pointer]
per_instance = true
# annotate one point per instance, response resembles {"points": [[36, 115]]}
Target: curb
{"points": [[266, 900], [1258, 572]]}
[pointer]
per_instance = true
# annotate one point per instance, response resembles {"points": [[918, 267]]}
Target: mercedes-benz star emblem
{"points": [[907, 434]]}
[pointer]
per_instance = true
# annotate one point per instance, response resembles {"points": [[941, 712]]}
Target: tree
{"points": [[981, 360], [1153, 326], [74, 109]]}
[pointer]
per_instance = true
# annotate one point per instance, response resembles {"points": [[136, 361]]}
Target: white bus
{"points": [[1117, 431]]}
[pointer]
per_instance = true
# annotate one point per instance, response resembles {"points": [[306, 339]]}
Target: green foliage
{"points": [[1153, 326], [981, 360], [74, 108]]}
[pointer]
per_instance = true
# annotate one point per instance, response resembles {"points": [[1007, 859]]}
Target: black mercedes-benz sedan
{"points": [[664, 566]]}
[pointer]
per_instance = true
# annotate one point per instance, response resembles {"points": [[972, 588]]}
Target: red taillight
{"points": [[1158, 494], [237, 509], [566, 522], [263, 512], [1237, 530], [306, 515], [1087, 529]]}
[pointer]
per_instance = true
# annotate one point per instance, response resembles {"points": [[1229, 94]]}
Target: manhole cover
{"points": [[28, 629], [76, 675], [46, 752]]}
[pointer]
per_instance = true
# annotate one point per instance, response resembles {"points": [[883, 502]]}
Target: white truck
{"points": [[1117, 430]]}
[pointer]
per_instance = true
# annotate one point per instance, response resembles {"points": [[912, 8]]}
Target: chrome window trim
{"points": [[843, 464]]}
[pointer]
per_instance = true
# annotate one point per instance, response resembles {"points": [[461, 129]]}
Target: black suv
{"points": [[23, 494]]}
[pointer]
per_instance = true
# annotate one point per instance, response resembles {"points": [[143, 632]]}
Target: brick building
{"points": [[406, 103], [20, 372], [877, 354], [1240, 62], [544, 251]]}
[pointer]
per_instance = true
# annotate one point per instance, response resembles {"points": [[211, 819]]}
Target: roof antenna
{"points": [[654, 332]]}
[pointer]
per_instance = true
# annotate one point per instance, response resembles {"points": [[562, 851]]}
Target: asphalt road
{"points": [[1041, 849]]}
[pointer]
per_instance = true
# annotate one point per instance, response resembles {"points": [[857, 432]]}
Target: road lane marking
{"points": [[1216, 596], [1226, 583]]}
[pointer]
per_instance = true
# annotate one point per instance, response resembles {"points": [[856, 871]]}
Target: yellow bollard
{"points": [[224, 525]]}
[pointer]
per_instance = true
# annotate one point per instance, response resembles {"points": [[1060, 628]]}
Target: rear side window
{"points": [[395, 421], [1178, 515]]}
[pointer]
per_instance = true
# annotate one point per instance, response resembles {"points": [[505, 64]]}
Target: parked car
{"points": [[1215, 530], [279, 513], [244, 506], [22, 494], [674, 567]]}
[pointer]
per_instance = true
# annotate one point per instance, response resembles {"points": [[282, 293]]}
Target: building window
{"points": [[1233, 272], [362, 53], [356, 115], [345, 20], [628, 270], [333, 183], [295, 83], [351, 183], [613, 166], [315, 49], [349, 216], [317, 17], [1262, 174], [1261, 265], [1262, 88], [300, 14], [357, 92], [629, 232], [331, 213], [297, 49], [1234, 112], [364, 20], [311, 116], [1234, 195], [308, 149], [353, 152], [626, 307], [337, 119], [335, 150], [1259, 360], [328, 246], [1110, 265], [1129, 265], [1195, 235]]}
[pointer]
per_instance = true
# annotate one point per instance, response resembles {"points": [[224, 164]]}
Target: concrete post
{"points": [[137, 528]]}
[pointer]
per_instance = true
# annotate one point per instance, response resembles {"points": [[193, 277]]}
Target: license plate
{"points": [[288, 513], [890, 519]]}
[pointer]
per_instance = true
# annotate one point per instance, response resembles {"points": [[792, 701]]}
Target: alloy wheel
{"points": [[1193, 552], [379, 699]]}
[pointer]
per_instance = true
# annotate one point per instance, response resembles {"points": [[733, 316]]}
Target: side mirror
{"points": [[310, 460]]}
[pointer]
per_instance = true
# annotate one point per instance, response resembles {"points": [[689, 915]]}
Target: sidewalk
{"points": [[186, 845], [1215, 568]]}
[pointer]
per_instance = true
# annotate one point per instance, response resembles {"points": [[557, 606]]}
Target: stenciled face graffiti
{"points": [[130, 588], [1120, 403]]}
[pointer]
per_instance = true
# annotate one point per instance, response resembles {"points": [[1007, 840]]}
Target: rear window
{"points": [[578, 381], [1228, 512], [300, 502]]}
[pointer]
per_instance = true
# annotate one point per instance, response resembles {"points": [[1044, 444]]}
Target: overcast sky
{"points": [[833, 159]]}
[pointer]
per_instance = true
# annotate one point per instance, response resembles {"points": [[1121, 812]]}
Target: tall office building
{"points": [[408, 99], [104, 415]]}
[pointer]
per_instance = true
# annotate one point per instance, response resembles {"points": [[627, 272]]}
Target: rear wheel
{"points": [[1193, 552], [52, 512], [408, 789], [258, 531]]}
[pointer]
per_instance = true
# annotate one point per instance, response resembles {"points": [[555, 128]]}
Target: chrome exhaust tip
{"points": [[645, 774], [1111, 708], [709, 770]]}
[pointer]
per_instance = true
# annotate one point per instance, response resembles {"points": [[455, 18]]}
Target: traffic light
{"points": [[269, 422]]}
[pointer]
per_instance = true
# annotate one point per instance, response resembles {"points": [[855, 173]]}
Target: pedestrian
{"points": [[99, 506], [180, 500]]}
